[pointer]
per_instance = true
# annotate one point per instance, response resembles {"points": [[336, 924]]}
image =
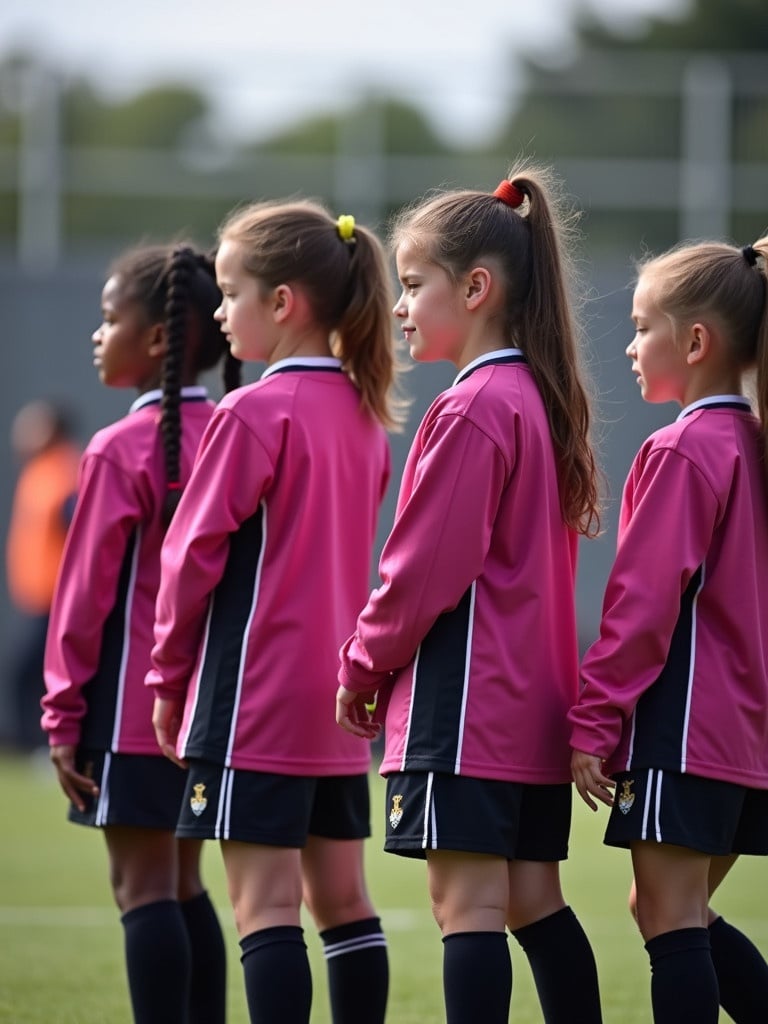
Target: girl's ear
{"points": [[157, 340], [699, 342], [478, 286], [282, 301]]}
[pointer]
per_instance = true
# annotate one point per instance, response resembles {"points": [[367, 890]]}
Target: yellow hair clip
{"points": [[345, 225]]}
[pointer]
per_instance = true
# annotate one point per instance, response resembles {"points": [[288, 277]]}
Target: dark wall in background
{"points": [[47, 321]]}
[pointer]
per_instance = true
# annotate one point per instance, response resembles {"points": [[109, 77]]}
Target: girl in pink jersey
{"points": [[471, 639], [158, 334], [671, 729], [264, 568]]}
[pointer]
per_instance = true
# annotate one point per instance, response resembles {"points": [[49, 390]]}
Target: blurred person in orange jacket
{"points": [[43, 440]]}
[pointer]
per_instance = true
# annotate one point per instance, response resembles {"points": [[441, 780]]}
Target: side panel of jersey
{"points": [[471, 638], [101, 628], [265, 566], [686, 610]]}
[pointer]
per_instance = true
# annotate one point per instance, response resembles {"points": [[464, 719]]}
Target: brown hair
{"points": [[347, 282], [694, 281], [457, 228]]}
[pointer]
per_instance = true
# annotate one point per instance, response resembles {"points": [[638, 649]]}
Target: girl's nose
{"points": [[399, 308]]}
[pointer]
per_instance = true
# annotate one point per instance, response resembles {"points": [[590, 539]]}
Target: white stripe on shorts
{"points": [[653, 801]]}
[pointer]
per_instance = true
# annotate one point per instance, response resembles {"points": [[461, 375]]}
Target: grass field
{"points": [[61, 941]]}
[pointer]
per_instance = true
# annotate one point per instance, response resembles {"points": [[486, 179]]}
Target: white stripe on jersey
{"points": [[465, 692], [410, 706], [126, 645], [193, 713], [247, 635], [691, 668]]}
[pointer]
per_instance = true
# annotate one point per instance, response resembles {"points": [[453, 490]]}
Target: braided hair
{"points": [[176, 285]]}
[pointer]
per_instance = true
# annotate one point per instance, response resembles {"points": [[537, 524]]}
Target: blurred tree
{"points": [[400, 128], [161, 117], [718, 25], [619, 96], [608, 114]]}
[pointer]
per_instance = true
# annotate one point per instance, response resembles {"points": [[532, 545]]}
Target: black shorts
{"points": [[714, 817], [515, 820], [137, 790], [274, 810]]}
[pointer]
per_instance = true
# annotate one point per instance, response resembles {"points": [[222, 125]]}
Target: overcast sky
{"points": [[265, 63]]}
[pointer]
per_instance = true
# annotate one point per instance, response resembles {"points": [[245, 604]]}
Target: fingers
{"points": [[166, 719], [590, 781], [72, 782], [353, 715]]}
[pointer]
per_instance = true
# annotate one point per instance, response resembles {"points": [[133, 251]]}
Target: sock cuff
{"points": [[352, 937], [718, 925], [147, 910], [531, 933], [201, 897], [489, 937], [271, 936], [679, 941]]}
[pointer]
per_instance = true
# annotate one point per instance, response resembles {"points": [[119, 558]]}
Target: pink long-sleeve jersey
{"points": [[264, 569], [471, 638], [100, 631], [678, 679]]}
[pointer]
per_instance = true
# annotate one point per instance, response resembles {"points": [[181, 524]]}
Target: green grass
{"points": [[61, 942]]}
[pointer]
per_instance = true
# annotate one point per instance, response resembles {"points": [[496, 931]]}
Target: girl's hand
{"points": [[166, 718], [587, 771], [70, 780], [353, 715]]}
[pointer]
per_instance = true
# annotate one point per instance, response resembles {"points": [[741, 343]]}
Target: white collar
{"points": [[156, 395], [499, 353], [310, 362], [701, 403]]}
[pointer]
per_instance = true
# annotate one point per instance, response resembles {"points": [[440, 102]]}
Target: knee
{"points": [[119, 888], [331, 906], [632, 902]]}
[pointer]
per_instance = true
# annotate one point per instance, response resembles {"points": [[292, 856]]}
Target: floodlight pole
{"points": [[705, 176], [39, 187]]}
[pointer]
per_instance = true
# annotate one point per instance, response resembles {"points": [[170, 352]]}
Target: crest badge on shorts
{"points": [[198, 802], [396, 814], [626, 798]]}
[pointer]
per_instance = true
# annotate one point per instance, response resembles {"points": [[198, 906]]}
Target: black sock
{"points": [[358, 971], [683, 980], [477, 977], [158, 960], [208, 984], [563, 968], [278, 983], [742, 974]]}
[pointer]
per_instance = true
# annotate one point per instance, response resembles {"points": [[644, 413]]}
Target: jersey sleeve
{"points": [[434, 553], [105, 516], [230, 475], [669, 513]]}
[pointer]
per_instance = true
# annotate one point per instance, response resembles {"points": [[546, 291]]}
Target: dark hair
{"points": [[347, 282], [176, 285], [454, 230], [697, 280]]}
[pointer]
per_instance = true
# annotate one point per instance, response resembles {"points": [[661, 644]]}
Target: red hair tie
{"points": [[509, 194], [174, 485]]}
